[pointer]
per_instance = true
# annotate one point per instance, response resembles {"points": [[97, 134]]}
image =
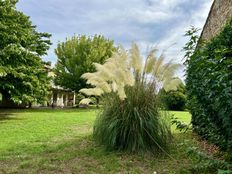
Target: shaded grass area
{"points": [[60, 141]]}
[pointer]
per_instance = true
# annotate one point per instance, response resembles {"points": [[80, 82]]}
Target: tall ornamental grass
{"points": [[130, 119]]}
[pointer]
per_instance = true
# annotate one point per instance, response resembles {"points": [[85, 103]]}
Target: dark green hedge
{"points": [[174, 99], [209, 87]]}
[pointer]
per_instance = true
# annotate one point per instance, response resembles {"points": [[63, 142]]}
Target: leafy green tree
{"points": [[23, 78], [174, 99], [76, 56]]}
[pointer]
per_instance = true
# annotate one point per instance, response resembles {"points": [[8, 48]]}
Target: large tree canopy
{"points": [[23, 78], [76, 56]]}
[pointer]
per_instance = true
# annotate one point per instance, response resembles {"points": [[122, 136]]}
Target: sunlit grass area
{"points": [[60, 141], [182, 115]]}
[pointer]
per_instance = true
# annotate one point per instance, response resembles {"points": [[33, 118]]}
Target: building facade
{"points": [[59, 97]]}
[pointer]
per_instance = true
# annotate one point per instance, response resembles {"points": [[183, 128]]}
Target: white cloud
{"points": [[176, 37]]}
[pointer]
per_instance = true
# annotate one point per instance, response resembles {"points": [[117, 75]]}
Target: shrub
{"points": [[174, 99], [205, 163], [130, 119], [209, 86], [133, 124]]}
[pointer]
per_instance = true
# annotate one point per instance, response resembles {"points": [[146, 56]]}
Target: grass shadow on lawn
{"points": [[12, 114], [47, 110], [81, 155], [8, 116]]}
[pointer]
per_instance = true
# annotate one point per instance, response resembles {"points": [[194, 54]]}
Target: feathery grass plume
{"points": [[158, 65], [136, 60], [92, 91], [164, 73], [130, 119], [150, 61], [85, 101], [171, 84], [113, 75]]}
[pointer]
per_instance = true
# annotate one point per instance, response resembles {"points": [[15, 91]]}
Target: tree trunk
{"points": [[97, 102]]}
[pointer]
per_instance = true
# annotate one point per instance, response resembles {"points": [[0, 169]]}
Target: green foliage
{"points": [[206, 163], [76, 56], [174, 99], [180, 125], [23, 78], [209, 86], [131, 119], [224, 171]]}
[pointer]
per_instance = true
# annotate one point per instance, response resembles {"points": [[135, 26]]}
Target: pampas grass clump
{"points": [[130, 119], [134, 124]]}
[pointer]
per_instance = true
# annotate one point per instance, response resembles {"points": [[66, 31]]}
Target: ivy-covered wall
{"points": [[209, 87]]}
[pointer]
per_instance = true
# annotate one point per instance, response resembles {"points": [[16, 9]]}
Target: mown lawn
{"points": [[59, 141]]}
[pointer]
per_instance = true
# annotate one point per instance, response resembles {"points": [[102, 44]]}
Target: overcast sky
{"points": [[160, 23]]}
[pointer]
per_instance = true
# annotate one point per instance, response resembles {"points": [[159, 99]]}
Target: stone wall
{"points": [[220, 13]]}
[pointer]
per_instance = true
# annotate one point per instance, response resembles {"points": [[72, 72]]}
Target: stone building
{"points": [[220, 13], [59, 97]]}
